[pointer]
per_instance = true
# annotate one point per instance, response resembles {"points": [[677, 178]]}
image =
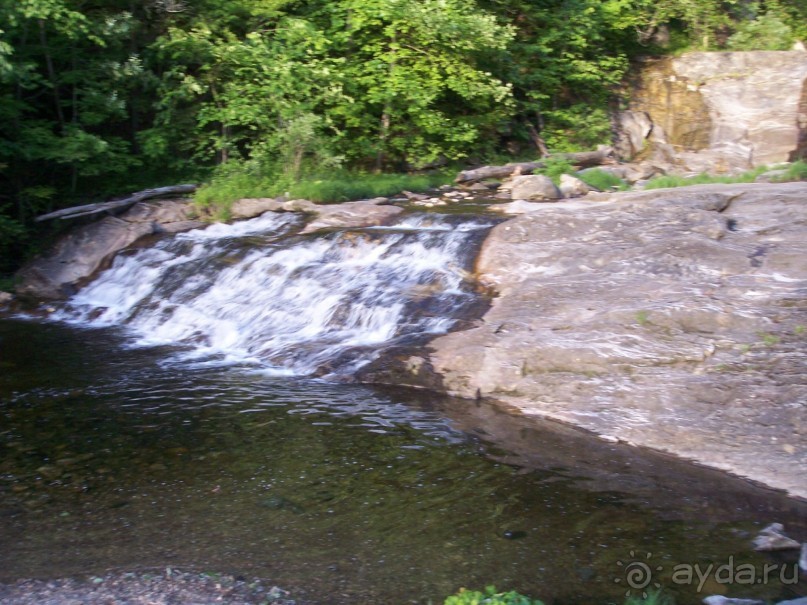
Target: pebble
{"points": [[170, 586]]}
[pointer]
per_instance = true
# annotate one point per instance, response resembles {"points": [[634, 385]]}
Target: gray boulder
{"points": [[252, 207], [571, 186], [534, 187], [367, 213], [631, 129]]}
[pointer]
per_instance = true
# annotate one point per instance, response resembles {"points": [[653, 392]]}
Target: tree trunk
{"points": [[140, 196], [54, 82], [603, 155]]}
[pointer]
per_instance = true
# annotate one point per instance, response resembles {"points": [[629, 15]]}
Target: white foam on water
{"points": [[296, 303]]}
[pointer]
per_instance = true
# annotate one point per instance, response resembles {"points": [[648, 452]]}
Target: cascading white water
{"points": [[298, 305]]}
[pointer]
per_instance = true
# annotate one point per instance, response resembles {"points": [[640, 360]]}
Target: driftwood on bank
{"points": [[140, 196], [582, 159]]}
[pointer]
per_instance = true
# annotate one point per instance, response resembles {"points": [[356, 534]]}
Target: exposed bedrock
{"points": [[674, 319]]}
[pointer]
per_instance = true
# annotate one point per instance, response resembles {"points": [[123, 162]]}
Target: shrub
{"points": [[237, 180], [489, 597], [555, 167], [797, 171], [767, 32], [602, 179]]}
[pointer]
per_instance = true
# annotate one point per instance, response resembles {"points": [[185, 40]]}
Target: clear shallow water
{"points": [[117, 457]]}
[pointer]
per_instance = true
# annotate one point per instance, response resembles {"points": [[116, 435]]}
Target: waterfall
{"points": [[259, 292]]}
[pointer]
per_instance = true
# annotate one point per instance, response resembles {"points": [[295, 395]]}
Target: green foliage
{"points": [[554, 167], [797, 171], [766, 32], [489, 597], [602, 180], [110, 96], [653, 597], [349, 186]]}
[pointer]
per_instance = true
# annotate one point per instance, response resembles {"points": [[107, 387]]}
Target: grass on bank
{"points": [[216, 197], [602, 180], [797, 171]]}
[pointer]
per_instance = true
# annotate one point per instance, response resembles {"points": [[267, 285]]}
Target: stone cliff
{"points": [[711, 111]]}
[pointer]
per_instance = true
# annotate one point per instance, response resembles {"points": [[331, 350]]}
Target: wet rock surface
{"points": [[82, 252], [365, 213], [673, 319]]}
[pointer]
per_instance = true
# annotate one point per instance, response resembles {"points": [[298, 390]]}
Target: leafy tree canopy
{"points": [[106, 96]]}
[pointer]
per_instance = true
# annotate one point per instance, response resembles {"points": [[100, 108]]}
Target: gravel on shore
{"points": [[166, 587]]}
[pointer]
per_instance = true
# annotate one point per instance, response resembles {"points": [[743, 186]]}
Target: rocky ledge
{"points": [[673, 319]]}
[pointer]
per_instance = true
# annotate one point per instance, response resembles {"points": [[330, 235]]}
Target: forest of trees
{"points": [[100, 97]]}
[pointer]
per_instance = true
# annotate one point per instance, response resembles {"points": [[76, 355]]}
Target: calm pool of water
{"points": [[119, 458]]}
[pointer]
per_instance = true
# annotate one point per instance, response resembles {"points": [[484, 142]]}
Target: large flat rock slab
{"points": [[673, 319], [86, 249]]}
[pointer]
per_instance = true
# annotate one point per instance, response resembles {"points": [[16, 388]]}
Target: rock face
{"points": [[729, 110], [674, 319], [82, 252]]}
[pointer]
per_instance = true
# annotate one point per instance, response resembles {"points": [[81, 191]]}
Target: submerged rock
{"points": [[773, 538], [672, 319], [721, 600]]}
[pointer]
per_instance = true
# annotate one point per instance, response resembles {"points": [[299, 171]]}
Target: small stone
{"points": [[773, 538], [5, 298], [415, 197]]}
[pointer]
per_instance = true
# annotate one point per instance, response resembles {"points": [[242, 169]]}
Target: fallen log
{"points": [[140, 196], [584, 159]]}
